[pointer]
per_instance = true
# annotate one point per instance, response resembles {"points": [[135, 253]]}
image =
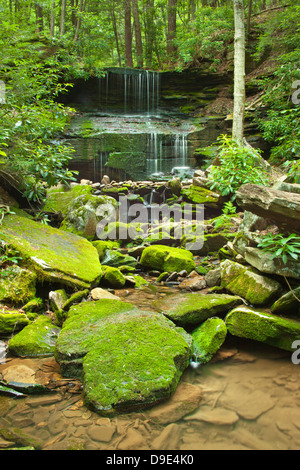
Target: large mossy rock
{"points": [[259, 325], [86, 211], [248, 283], [199, 195], [12, 321], [55, 255], [289, 303], [36, 339], [207, 339], [192, 309], [167, 259], [60, 201], [17, 285], [128, 359]]}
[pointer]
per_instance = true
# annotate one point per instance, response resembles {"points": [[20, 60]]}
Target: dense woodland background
{"points": [[45, 45]]}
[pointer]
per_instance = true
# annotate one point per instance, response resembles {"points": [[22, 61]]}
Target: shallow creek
{"points": [[250, 398]]}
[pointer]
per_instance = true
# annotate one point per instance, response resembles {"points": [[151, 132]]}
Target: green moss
{"points": [[207, 339], [103, 245], [36, 339], [60, 201], [12, 321], [169, 259], [113, 278], [262, 326], [115, 259], [199, 195], [246, 282], [34, 305], [193, 309], [130, 374], [17, 285], [53, 254]]}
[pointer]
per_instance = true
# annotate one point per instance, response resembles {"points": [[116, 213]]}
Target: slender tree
{"points": [[239, 72], [172, 12], [138, 34], [62, 17], [128, 34]]}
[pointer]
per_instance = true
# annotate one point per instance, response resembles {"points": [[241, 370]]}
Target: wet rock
{"points": [[57, 299], [105, 180], [55, 255], [213, 277], [259, 325], [115, 259], [168, 438], [17, 285], [200, 195], [195, 283], [207, 339], [218, 416], [103, 432], [36, 339], [248, 283], [175, 185], [167, 259], [185, 400], [192, 308], [103, 245]]}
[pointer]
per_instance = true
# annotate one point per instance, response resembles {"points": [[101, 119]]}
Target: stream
{"points": [[250, 397]]}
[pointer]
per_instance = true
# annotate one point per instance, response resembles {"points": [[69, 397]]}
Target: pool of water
{"points": [[247, 398]]}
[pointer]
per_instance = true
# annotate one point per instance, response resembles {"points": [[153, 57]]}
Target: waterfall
{"points": [[129, 91]]}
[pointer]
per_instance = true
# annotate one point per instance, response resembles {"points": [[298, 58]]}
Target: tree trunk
{"points": [[52, 20], [128, 34], [249, 16], [62, 17], [171, 48], [149, 31], [78, 22], [239, 72], [39, 17], [138, 34], [115, 27]]}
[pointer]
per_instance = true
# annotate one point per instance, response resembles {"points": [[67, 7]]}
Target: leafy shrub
{"points": [[281, 246], [238, 166]]}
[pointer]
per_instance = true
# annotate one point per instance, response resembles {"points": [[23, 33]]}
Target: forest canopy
{"points": [[45, 45]]}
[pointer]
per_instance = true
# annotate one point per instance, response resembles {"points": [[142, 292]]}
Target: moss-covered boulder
{"points": [[37, 339], [128, 359], [288, 304], [207, 339], [54, 255], [60, 201], [248, 283], [194, 308], [12, 321], [259, 325], [167, 259], [17, 285], [199, 195], [116, 259], [113, 278], [103, 245], [86, 211]]}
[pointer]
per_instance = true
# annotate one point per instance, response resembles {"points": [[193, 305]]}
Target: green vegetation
{"points": [[281, 246]]}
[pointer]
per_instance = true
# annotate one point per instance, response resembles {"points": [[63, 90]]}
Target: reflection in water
{"points": [[248, 397]]}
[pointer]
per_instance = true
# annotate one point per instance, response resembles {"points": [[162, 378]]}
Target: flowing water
{"points": [[128, 129], [250, 397]]}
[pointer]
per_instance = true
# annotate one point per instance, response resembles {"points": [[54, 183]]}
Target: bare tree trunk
{"points": [[78, 22], [62, 17], [171, 48], [115, 27], [149, 31], [128, 34], [249, 16], [39, 17], [52, 20], [138, 34], [239, 72]]}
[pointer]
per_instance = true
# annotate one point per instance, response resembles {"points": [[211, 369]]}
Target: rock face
{"points": [[167, 259], [280, 206], [55, 255], [193, 309], [263, 262], [114, 347], [252, 286], [12, 321], [261, 326]]}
